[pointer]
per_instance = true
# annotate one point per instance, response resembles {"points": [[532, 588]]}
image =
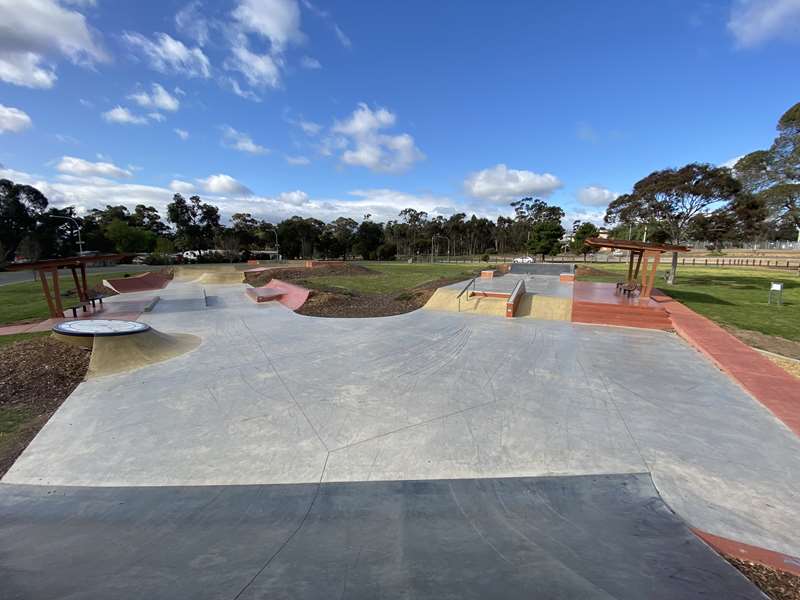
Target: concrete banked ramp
{"points": [[137, 283], [606, 537]]}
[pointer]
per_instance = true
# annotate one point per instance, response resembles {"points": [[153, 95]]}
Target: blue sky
{"points": [[281, 107]]}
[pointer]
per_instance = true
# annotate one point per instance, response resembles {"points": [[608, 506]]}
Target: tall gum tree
{"points": [[674, 197]]}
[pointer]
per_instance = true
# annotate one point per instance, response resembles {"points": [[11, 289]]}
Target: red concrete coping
{"points": [[514, 298], [293, 297], [487, 274], [776, 560], [566, 277], [138, 283], [776, 389], [263, 294]]}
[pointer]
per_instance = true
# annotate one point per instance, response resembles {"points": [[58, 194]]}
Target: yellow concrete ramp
{"points": [[220, 277], [548, 308], [446, 299], [115, 354]]}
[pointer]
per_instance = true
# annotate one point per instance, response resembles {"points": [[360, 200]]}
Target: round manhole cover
{"points": [[100, 327]]}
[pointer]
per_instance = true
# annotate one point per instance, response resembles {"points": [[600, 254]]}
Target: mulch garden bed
{"points": [[330, 303], [36, 376], [778, 585], [300, 273]]}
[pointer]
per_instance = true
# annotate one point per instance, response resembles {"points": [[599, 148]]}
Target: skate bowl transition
{"points": [[118, 346], [290, 295], [143, 282]]}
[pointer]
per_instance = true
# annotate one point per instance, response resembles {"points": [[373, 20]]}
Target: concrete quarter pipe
{"points": [[549, 537]]}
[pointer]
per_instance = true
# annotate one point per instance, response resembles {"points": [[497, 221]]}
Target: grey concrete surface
{"points": [[592, 537], [547, 285], [543, 268], [274, 397]]}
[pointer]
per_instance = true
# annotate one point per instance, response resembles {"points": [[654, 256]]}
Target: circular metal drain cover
{"points": [[100, 327]]}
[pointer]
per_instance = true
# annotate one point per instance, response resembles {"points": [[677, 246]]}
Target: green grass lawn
{"points": [[394, 278], [25, 301], [729, 296], [6, 340]]}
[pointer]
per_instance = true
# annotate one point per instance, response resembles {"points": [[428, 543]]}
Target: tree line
{"points": [[31, 230], [758, 199]]}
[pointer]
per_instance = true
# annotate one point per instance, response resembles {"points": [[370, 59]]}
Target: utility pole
{"points": [[77, 226]]}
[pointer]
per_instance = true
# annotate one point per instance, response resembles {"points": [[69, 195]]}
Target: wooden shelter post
{"points": [[81, 291], [57, 293], [46, 290]]}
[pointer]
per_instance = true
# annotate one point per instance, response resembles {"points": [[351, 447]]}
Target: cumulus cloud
{"points": [[309, 62], [78, 167], [364, 144], [35, 33], [190, 22], [259, 70], [181, 133], [224, 185], [594, 195], [13, 120], [297, 160], [754, 22], [159, 99], [181, 187], [275, 20], [501, 184], [168, 55], [120, 114], [238, 140]]}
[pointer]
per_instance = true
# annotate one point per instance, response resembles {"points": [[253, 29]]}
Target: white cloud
{"points": [[120, 114], [343, 39], [181, 187], [181, 133], [78, 167], [295, 198], [367, 147], [156, 116], [276, 20], [238, 140], [13, 120], [309, 62], [166, 54], [191, 22], [594, 195], [34, 33], [754, 22], [81, 3], [224, 185], [309, 127], [298, 160], [260, 70], [159, 99], [501, 184], [731, 162]]}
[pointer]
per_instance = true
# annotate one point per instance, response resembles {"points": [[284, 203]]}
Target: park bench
{"points": [[84, 305]]}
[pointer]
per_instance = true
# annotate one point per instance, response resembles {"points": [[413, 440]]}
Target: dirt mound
{"points": [[337, 304], [301, 273]]}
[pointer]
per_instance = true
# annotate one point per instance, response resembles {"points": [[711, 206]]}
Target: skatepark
{"points": [[439, 453]]}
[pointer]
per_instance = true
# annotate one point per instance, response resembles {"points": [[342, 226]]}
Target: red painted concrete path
{"points": [[773, 387]]}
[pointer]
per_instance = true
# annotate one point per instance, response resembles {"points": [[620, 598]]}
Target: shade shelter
{"points": [[43, 268], [644, 258]]}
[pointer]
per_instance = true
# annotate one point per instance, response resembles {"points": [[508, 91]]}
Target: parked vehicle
{"points": [[525, 260]]}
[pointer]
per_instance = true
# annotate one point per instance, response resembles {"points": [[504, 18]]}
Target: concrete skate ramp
{"points": [[445, 298], [220, 277], [116, 354], [548, 308], [293, 296], [543, 268], [138, 283], [606, 537]]}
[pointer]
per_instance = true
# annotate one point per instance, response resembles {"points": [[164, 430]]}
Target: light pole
{"points": [[433, 240], [277, 245], [77, 226]]}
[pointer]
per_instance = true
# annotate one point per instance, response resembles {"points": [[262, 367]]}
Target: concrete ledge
{"points": [[516, 296], [566, 277], [487, 274]]}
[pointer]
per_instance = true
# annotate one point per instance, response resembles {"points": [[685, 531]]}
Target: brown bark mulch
{"points": [[299, 273], [36, 376], [778, 585], [334, 303]]}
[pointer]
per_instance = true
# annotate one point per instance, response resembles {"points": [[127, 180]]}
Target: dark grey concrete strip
{"points": [[559, 537]]}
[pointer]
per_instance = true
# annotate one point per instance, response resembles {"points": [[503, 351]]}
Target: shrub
{"points": [[387, 251]]}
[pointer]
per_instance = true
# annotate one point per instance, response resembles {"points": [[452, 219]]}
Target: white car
{"points": [[525, 260]]}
